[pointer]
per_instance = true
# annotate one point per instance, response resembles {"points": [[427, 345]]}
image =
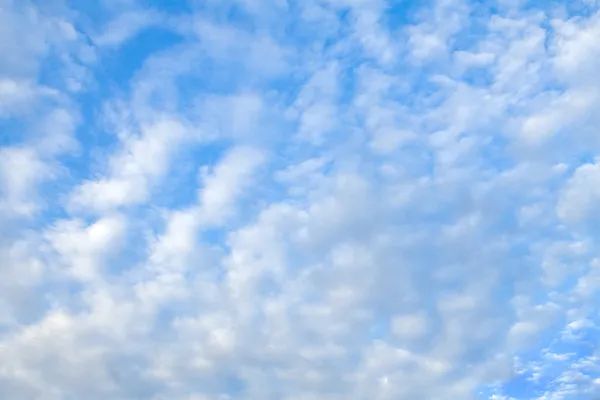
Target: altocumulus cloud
{"points": [[299, 200]]}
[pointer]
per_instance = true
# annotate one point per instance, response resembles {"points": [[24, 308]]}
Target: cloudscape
{"points": [[300, 199]]}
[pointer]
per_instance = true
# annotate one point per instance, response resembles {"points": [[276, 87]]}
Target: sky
{"points": [[299, 199]]}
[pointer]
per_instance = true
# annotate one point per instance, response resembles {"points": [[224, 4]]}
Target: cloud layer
{"points": [[299, 200]]}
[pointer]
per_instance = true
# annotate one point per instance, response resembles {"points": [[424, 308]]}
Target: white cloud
{"points": [[239, 116], [16, 96], [227, 181], [263, 57], [410, 326], [316, 107], [125, 26], [267, 210], [222, 189], [580, 194], [20, 170], [133, 172], [431, 38], [83, 249]]}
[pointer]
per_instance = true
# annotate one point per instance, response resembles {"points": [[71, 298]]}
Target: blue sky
{"points": [[299, 200]]}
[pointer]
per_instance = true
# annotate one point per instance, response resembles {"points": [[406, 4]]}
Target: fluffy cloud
{"points": [[299, 200]]}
